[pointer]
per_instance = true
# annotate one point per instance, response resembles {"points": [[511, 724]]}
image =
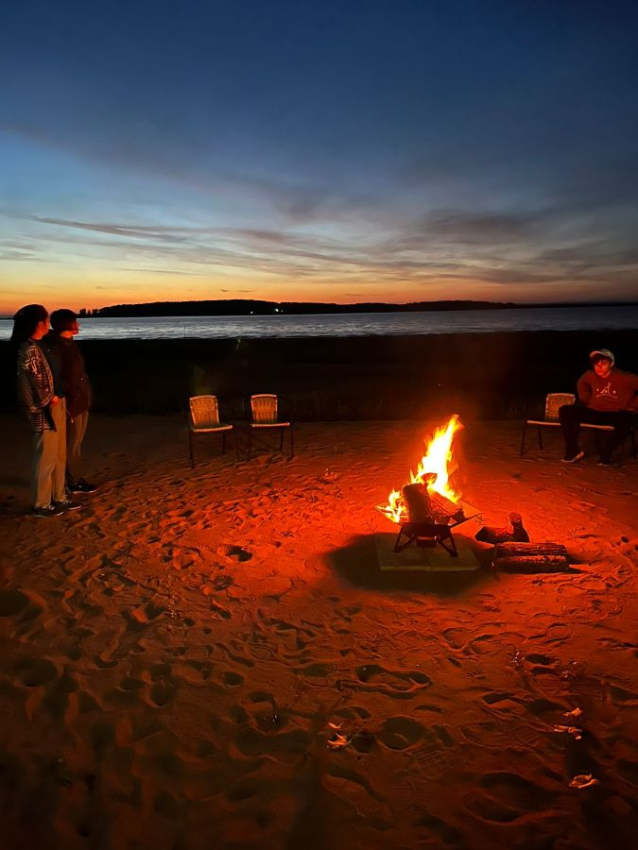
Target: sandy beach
{"points": [[212, 658]]}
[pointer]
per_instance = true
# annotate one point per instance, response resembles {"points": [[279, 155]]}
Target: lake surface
{"points": [[358, 324]]}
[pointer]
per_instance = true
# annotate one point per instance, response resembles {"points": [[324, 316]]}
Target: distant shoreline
{"points": [[242, 307]]}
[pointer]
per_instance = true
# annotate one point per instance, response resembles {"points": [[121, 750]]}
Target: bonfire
{"points": [[433, 472]]}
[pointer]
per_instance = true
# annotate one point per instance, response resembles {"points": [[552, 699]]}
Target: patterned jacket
{"points": [[35, 386]]}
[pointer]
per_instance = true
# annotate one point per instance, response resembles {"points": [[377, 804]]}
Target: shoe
{"points": [[46, 511], [82, 486], [574, 458], [67, 505]]}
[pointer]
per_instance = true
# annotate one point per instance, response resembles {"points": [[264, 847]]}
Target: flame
{"points": [[433, 470]]}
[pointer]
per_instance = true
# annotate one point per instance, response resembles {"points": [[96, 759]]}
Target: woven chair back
{"points": [[554, 402], [204, 411], [264, 408]]}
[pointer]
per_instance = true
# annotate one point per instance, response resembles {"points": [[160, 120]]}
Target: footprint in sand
{"points": [[35, 672], [508, 796], [400, 733], [622, 697], [393, 683], [12, 602], [236, 553], [141, 616], [449, 835], [162, 693]]}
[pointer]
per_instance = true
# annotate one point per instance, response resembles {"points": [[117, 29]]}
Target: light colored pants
{"points": [[75, 430], [49, 461]]}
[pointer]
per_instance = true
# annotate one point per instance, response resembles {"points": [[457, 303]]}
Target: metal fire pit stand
{"points": [[428, 534]]}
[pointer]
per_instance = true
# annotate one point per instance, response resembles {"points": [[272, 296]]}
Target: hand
{"points": [[55, 399]]}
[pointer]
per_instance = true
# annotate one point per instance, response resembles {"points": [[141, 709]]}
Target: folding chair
{"points": [[262, 416], [203, 419], [553, 403]]}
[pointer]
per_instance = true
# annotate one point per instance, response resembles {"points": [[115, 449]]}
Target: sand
{"points": [[212, 658]]}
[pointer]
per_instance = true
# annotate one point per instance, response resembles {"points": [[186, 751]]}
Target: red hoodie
{"points": [[618, 391]]}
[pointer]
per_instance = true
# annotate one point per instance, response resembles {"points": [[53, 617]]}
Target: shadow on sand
{"points": [[358, 564]]}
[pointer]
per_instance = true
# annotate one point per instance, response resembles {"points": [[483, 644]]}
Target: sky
{"points": [[341, 151]]}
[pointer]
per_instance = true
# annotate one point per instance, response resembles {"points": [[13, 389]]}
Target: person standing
{"points": [[68, 365], [606, 396], [45, 412]]}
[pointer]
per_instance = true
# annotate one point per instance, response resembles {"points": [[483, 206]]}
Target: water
{"points": [[358, 324]]}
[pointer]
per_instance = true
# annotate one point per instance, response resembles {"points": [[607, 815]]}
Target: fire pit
{"points": [[427, 509]]}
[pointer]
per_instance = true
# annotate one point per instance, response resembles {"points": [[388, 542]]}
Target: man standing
{"points": [[75, 385], [606, 396]]}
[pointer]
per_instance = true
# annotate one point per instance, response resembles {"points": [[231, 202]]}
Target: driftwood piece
{"points": [[417, 502], [525, 550], [532, 564]]}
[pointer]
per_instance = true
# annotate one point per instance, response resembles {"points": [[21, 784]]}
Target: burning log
{"points": [[440, 505], [531, 557], [417, 502]]}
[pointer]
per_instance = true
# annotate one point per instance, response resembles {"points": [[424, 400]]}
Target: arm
{"points": [[35, 392], [584, 389]]}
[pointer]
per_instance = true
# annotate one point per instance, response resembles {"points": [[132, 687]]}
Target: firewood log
{"points": [[532, 564], [510, 549], [442, 506], [417, 501]]}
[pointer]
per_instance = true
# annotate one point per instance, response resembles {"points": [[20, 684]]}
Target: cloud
{"points": [[511, 249]]}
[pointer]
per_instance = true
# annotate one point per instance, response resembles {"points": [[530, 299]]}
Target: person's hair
{"points": [[63, 320], [26, 321]]}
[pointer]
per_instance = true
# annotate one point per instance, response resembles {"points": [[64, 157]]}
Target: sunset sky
{"points": [[337, 150]]}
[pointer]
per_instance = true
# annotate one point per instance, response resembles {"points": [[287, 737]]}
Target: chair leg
{"points": [[522, 451], [281, 439], [190, 448], [292, 443], [234, 433], [249, 443], [540, 438], [223, 442]]}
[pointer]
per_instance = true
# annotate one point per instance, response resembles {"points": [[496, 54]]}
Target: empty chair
{"points": [[203, 419], [553, 403], [263, 416]]}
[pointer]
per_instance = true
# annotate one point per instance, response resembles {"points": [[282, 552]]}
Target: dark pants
{"points": [[75, 430], [573, 415]]}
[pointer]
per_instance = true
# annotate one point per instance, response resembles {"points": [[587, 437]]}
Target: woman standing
{"points": [[45, 412]]}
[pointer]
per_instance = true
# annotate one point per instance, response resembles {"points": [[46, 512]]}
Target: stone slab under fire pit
{"points": [[419, 559]]}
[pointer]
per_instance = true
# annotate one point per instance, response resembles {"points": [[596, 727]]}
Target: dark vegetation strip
{"points": [[485, 376]]}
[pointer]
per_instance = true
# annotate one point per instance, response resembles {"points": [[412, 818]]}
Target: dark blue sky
{"points": [[344, 151]]}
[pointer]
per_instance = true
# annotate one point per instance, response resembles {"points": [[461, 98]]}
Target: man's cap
{"points": [[602, 352]]}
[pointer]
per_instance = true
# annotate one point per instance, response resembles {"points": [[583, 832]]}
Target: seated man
{"points": [[606, 396]]}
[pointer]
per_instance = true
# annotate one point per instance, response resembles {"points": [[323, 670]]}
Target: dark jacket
{"points": [[69, 372], [35, 386]]}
